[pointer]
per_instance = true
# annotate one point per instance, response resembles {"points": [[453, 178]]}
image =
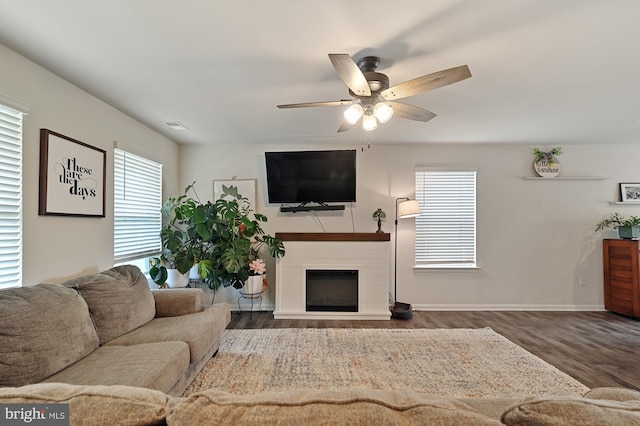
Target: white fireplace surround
{"points": [[369, 254]]}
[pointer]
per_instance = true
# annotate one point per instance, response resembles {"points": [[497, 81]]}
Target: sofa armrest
{"points": [[174, 302]]}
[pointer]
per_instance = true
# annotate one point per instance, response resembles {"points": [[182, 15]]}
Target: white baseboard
{"points": [[508, 307], [576, 308]]}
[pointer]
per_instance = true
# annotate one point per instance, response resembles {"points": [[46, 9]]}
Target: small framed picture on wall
{"points": [[246, 188], [630, 192]]}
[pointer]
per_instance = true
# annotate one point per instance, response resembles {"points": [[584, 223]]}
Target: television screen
{"points": [[311, 176]]}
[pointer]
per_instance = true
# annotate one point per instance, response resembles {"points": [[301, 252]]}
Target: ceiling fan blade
{"points": [[411, 112], [345, 127], [427, 82], [317, 104], [350, 73]]}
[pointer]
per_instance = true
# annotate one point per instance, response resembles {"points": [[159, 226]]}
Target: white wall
{"points": [[535, 238], [58, 248]]}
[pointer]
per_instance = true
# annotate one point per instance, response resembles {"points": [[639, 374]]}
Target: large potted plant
{"points": [[237, 239], [628, 228], [222, 237]]}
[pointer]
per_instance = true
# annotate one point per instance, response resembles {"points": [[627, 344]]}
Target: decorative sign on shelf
{"points": [[546, 164]]}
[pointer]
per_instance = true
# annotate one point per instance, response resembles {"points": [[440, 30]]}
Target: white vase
{"points": [[253, 285], [175, 279], [193, 273]]}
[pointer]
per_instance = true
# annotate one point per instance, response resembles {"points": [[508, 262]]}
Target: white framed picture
{"points": [[630, 192], [246, 188]]}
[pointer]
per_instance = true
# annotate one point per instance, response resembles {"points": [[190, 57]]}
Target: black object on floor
{"points": [[401, 310]]}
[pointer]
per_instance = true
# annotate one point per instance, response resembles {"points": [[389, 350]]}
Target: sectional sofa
{"points": [[107, 328]]}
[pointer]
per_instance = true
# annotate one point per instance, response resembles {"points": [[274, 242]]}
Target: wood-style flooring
{"points": [[596, 348]]}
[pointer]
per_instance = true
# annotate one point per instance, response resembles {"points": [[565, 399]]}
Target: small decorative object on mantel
{"points": [[546, 164], [379, 215], [628, 228]]}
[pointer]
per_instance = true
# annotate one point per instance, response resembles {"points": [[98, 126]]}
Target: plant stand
{"points": [[252, 297]]}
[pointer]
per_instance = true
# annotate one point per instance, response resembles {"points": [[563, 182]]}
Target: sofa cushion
{"points": [[173, 302], [613, 394], [151, 365], [200, 331], [323, 407], [560, 411], [44, 328], [119, 300], [96, 405]]}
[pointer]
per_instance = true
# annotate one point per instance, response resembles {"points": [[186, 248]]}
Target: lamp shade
{"points": [[353, 113], [409, 208], [369, 122], [383, 112]]}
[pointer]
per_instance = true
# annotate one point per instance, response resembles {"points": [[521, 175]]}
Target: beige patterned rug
{"points": [[471, 363]]}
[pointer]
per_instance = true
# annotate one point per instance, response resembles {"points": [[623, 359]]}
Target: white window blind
{"points": [[10, 197], [137, 192], [446, 230]]}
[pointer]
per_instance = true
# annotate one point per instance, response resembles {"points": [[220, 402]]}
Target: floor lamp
{"points": [[405, 208]]}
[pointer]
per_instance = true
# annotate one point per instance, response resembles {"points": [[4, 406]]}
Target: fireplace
{"points": [[366, 253], [330, 290]]}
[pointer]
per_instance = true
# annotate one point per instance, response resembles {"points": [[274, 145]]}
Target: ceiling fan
{"points": [[374, 99]]}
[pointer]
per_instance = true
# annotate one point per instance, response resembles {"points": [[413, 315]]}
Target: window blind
{"points": [[10, 197], [137, 193], [446, 230]]}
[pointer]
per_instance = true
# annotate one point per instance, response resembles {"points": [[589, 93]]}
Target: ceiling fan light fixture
{"points": [[383, 112], [369, 122], [353, 113]]}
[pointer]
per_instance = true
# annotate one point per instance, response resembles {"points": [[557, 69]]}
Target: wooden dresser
{"points": [[621, 276]]}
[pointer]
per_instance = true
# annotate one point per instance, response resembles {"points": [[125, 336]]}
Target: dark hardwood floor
{"points": [[596, 348]]}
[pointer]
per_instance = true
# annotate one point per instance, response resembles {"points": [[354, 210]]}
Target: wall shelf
{"points": [[627, 203], [566, 178]]}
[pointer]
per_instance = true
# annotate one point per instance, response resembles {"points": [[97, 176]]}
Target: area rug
{"points": [[471, 363]]}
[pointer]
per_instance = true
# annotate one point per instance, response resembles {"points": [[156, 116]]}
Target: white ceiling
{"points": [[545, 72]]}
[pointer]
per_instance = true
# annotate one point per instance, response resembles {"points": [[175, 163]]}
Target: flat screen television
{"points": [[311, 176]]}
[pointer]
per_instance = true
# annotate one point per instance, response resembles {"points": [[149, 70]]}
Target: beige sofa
{"points": [[107, 329], [131, 406]]}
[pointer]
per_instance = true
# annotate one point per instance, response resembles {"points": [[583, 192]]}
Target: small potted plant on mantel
{"points": [[628, 228]]}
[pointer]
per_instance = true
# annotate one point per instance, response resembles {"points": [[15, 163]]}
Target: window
{"points": [[137, 193], [446, 230], [10, 197]]}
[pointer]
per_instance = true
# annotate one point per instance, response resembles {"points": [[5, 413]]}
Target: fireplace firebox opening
{"points": [[332, 290]]}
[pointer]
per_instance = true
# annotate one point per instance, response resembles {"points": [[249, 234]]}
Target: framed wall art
{"points": [[246, 188], [630, 192], [72, 177]]}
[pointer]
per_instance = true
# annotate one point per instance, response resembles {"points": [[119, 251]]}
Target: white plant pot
{"points": [[193, 273], [175, 279], [253, 285]]}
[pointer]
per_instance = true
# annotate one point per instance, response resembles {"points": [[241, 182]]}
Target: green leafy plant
{"points": [[158, 271], [615, 221], [548, 156], [379, 215], [222, 237]]}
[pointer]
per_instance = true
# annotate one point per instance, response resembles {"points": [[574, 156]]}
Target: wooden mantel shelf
{"points": [[333, 236]]}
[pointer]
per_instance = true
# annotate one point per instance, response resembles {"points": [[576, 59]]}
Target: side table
{"points": [[252, 297]]}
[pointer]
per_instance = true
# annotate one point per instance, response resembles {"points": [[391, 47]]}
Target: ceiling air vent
{"points": [[175, 125]]}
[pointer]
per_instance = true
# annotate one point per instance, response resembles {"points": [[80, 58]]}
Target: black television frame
{"points": [[305, 203]]}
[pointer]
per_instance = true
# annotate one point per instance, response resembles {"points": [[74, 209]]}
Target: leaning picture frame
{"points": [[630, 193], [246, 188], [72, 177]]}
